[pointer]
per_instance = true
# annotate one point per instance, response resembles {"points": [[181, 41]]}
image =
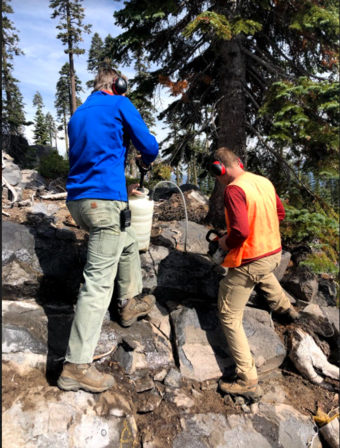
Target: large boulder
{"points": [[39, 262], [202, 348], [301, 283], [32, 179], [266, 426], [46, 418], [34, 336]]}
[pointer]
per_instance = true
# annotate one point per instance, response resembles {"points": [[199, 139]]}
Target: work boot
{"points": [[292, 314], [134, 308], [246, 388], [84, 376]]}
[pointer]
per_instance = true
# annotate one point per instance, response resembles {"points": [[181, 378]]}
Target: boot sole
{"points": [[69, 384], [128, 323]]}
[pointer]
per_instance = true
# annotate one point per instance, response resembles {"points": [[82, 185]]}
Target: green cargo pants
{"points": [[112, 255]]}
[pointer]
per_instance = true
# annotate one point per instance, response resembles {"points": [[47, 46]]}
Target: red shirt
{"points": [[236, 205]]}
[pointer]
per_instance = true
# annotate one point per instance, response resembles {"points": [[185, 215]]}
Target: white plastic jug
{"points": [[141, 218]]}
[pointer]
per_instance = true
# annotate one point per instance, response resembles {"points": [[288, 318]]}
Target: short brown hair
{"points": [[227, 157], [104, 79]]}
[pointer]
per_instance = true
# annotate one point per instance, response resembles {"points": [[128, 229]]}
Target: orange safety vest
{"points": [[264, 234]]}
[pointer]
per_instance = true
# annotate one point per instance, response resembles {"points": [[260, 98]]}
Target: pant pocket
{"points": [[110, 243]]}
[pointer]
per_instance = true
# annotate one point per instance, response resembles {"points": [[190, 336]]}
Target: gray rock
{"points": [[330, 433], [179, 398], [148, 401], [159, 317], [327, 292], [332, 314], [47, 210], [275, 394], [160, 375], [75, 420], [196, 242], [17, 243], [281, 269], [202, 348], [32, 179], [270, 426], [20, 280], [153, 351], [173, 379], [189, 273], [12, 173], [150, 262], [144, 384], [301, 283]]}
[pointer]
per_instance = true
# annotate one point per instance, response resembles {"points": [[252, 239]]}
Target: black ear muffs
{"points": [[217, 168], [119, 86]]}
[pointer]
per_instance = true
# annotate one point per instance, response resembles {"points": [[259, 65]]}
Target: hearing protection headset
{"points": [[218, 169], [119, 86]]}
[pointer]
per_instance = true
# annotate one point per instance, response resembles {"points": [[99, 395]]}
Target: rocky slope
{"points": [[166, 366]]}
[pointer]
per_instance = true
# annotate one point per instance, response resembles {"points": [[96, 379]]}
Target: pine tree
{"points": [[40, 125], [63, 98], [258, 66], [51, 129], [71, 25], [13, 115], [98, 56], [142, 100]]}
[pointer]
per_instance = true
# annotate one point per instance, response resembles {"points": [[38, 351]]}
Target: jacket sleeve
{"points": [[139, 133]]}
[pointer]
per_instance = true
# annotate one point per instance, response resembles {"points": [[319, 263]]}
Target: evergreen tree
{"points": [[40, 126], [141, 99], [63, 98], [13, 115], [71, 15], [264, 69], [98, 56], [51, 129]]}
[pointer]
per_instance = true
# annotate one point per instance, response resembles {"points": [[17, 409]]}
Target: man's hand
{"points": [[141, 164], [222, 243], [132, 189]]}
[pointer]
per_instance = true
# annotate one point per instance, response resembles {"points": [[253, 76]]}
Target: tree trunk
{"points": [[231, 118], [72, 73], [194, 171], [177, 175], [65, 131]]}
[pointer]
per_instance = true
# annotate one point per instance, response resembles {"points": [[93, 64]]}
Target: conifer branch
{"points": [[270, 67]]}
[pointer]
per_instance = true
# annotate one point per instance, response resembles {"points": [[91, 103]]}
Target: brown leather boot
{"points": [[293, 315], [246, 388], [84, 376], [134, 308]]}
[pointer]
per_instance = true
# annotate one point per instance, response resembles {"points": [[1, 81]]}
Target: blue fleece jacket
{"points": [[99, 133]]}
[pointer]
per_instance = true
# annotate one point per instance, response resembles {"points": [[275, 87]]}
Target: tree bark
{"points": [[72, 73], [231, 118], [65, 131]]}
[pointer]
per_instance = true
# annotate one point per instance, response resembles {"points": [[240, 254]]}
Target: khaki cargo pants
{"points": [[234, 292], [112, 255]]}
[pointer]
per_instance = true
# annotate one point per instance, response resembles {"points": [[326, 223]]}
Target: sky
{"points": [[38, 69]]}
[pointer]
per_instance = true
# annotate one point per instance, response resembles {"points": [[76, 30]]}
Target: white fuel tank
{"points": [[141, 218]]}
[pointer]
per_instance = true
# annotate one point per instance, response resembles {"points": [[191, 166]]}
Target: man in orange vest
{"points": [[253, 245]]}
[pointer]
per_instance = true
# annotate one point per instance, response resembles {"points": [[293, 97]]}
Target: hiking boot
{"points": [[248, 389], [292, 314], [84, 376], [134, 308]]}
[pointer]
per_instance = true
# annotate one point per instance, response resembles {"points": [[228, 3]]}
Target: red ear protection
{"points": [[218, 169], [240, 163]]}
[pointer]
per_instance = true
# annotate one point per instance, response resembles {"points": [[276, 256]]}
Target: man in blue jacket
{"points": [[99, 133]]}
